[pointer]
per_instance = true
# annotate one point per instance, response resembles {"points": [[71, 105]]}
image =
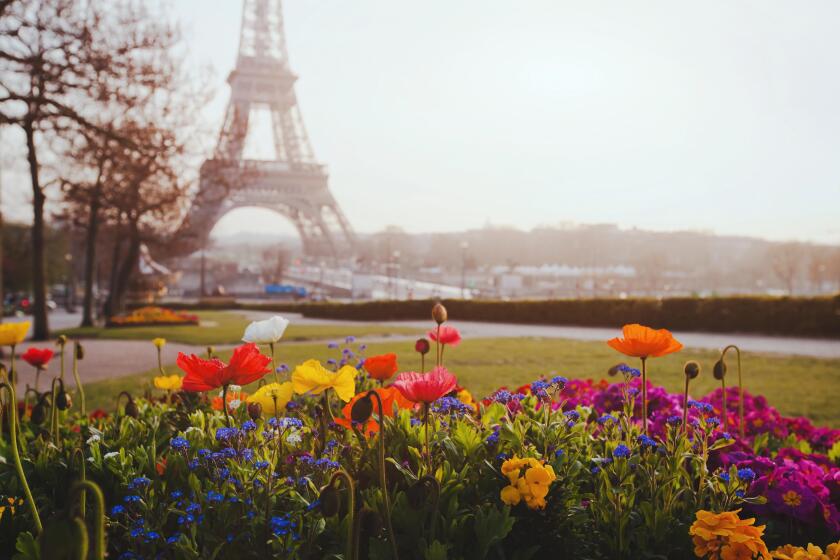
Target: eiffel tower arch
{"points": [[293, 183]]}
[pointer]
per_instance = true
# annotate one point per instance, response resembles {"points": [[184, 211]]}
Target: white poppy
{"points": [[267, 331]]}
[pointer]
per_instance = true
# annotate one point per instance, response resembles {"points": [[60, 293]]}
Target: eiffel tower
{"points": [[293, 183]]}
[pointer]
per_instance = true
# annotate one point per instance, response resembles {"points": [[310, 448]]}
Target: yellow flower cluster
{"points": [[532, 486], [790, 552], [159, 342], [725, 536]]}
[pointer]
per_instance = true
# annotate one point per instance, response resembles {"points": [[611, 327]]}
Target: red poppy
{"points": [[381, 367], [449, 336], [37, 357], [425, 387], [97, 414], [247, 364]]}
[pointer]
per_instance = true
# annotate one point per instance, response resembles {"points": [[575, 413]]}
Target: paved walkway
{"points": [[111, 358]]}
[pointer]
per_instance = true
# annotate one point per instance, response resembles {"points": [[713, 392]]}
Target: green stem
{"points": [[685, 407], [61, 358], [422, 363], [351, 547], [160, 361], [16, 455], [644, 395], [80, 453], [12, 370], [99, 512], [79, 386], [273, 363], [224, 404], [428, 449], [438, 346], [386, 500]]}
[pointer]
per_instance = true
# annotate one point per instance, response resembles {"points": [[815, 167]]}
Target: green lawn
{"points": [[795, 385], [224, 327]]}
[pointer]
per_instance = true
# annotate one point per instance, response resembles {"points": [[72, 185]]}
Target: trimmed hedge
{"points": [[815, 317]]}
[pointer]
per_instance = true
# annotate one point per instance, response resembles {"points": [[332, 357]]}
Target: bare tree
{"points": [[786, 260], [59, 59]]}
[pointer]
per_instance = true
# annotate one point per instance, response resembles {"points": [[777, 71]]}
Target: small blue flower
{"points": [[176, 494], [559, 453], [249, 426], [646, 441], [724, 476], [674, 420], [179, 443], [740, 493], [350, 340], [213, 496], [573, 415], [332, 345], [261, 464], [173, 539], [621, 451], [746, 474], [606, 418], [226, 434], [117, 509], [139, 482], [595, 470], [131, 499], [629, 371]]}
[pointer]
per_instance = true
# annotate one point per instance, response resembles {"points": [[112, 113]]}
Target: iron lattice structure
{"points": [[293, 183]]}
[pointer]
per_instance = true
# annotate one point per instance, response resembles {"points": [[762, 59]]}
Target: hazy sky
{"points": [[451, 114]]}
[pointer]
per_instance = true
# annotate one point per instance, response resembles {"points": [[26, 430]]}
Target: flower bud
{"points": [[63, 400], [80, 351], [719, 370], [691, 369], [439, 313], [131, 408], [362, 409], [254, 410], [61, 340], [422, 346], [330, 501]]}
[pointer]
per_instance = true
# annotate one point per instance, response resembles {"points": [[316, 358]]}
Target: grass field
{"points": [[224, 327], [795, 385]]}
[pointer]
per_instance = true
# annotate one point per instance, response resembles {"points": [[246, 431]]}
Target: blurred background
{"points": [[469, 150]]}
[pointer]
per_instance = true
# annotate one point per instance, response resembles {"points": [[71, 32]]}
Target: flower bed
{"points": [[152, 316], [349, 459]]}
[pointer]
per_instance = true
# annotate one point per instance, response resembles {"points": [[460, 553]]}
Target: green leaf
{"points": [[435, 551], [27, 547], [491, 526]]}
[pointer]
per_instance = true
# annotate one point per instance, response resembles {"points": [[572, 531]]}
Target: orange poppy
{"points": [[644, 342], [390, 397], [381, 367]]}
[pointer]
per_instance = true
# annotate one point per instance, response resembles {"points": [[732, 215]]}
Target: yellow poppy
{"points": [[168, 382], [159, 342], [312, 378], [12, 334], [273, 396]]}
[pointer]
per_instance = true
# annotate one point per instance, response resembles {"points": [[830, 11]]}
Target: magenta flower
{"points": [[449, 336]]}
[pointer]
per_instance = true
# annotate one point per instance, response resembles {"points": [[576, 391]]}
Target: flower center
{"points": [[791, 498]]}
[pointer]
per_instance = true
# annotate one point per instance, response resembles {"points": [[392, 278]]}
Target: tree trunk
{"points": [[124, 273], [39, 276], [90, 259], [112, 278]]}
